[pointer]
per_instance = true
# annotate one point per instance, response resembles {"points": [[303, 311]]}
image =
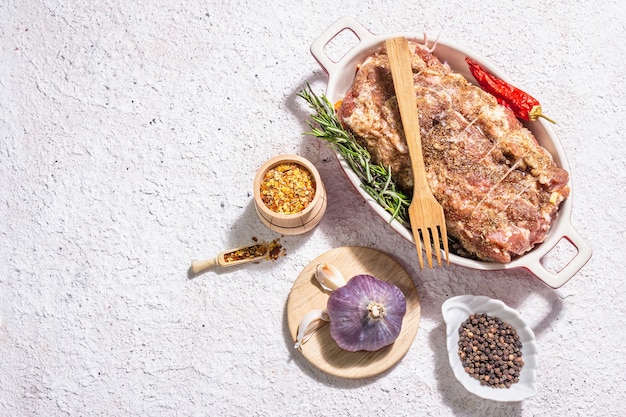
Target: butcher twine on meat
{"points": [[499, 188]]}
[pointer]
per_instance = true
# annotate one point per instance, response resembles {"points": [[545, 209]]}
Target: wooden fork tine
{"points": [[428, 246], [418, 244], [444, 240], [435, 234]]}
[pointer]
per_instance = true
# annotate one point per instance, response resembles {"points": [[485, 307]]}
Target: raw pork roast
{"points": [[499, 188]]}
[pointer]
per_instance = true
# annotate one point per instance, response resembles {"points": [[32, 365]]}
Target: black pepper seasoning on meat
{"points": [[490, 350]]}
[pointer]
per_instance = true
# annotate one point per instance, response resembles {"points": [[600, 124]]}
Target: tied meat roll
{"points": [[499, 188]]}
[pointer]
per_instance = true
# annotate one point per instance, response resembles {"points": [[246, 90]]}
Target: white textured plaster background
{"points": [[130, 135]]}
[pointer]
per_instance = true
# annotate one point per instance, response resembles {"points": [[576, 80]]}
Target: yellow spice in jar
{"points": [[287, 188]]}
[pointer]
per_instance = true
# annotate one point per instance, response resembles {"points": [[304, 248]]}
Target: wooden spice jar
{"points": [[289, 195]]}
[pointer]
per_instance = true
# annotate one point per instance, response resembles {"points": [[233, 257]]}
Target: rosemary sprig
{"points": [[376, 180]]}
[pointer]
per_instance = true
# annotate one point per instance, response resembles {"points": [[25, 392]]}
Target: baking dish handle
{"points": [[559, 278], [318, 45]]}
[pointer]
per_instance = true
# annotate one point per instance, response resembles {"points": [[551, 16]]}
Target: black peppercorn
{"points": [[490, 350]]}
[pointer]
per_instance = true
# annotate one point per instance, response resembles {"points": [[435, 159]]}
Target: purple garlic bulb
{"points": [[366, 314]]}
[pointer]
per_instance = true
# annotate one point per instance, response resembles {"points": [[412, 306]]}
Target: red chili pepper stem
{"points": [[536, 113]]}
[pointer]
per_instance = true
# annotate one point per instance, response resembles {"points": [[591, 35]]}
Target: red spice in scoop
{"points": [[249, 252]]}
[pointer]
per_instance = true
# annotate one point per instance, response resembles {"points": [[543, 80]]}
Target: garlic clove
{"points": [[311, 321], [329, 277]]}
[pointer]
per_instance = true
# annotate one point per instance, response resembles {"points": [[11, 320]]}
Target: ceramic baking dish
{"points": [[340, 77]]}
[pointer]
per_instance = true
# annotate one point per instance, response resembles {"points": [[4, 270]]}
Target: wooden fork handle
{"points": [[404, 85]]}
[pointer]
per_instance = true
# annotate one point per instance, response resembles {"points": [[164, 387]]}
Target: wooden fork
{"points": [[425, 212]]}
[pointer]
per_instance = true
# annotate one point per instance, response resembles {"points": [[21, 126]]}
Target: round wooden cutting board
{"points": [[321, 350]]}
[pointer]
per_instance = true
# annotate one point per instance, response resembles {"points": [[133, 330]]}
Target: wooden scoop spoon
{"points": [[233, 257]]}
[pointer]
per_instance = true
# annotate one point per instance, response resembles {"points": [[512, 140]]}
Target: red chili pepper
{"points": [[522, 104]]}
